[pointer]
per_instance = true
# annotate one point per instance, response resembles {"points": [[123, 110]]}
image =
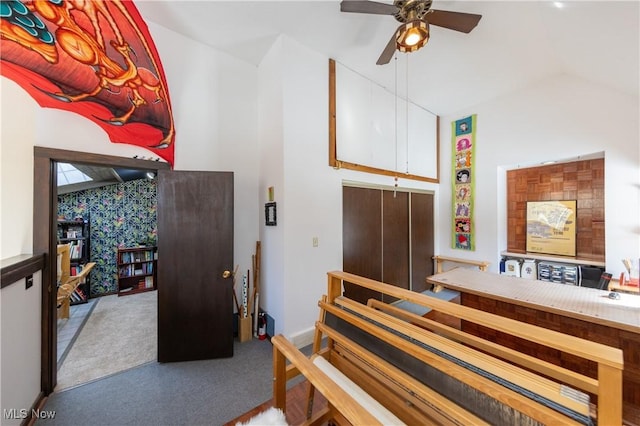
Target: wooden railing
{"points": [[440, 260]]}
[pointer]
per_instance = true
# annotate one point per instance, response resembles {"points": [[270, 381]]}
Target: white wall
{"points": [[311, 205], [19, 308], [17, 132], [560, 117], [270, 119], [20, 348], [215, 108]]}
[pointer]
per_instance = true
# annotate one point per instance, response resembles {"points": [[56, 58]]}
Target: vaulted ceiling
{"points": [[516, 43]]}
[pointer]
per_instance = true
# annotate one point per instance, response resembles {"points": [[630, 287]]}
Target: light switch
{"points": [[315, 241]]}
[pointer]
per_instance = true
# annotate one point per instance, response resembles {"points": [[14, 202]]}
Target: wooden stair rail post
{"points": [[279, 379], [609, 384], [334, 288], [336, 397], [317, 346]]}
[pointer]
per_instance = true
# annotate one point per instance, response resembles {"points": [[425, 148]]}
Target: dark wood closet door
{"points": [[395, 239], [195, 248], [361, 238], [422, 235]]}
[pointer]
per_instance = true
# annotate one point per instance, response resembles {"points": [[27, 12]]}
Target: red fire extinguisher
{"points": [[262, 326]]}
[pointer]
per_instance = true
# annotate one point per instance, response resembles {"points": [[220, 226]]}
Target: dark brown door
{"points": [[387, 237], [362, 239], [422, 236], [195, 248], [395, 240]]}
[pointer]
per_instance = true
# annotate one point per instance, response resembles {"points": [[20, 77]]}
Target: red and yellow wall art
{"points": [[95, 58]]}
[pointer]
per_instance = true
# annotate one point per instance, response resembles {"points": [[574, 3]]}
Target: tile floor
{"points": [[69, 328]]}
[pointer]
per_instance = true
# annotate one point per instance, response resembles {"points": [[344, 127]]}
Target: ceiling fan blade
{"points": [[388, 51], [458, 21], [358, 6]]}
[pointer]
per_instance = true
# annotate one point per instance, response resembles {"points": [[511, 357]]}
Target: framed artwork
{"points": [[270, 218], [551, 227]]}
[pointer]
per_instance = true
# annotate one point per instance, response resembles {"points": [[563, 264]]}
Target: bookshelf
{"points": [[137, 270], [75, 233]]}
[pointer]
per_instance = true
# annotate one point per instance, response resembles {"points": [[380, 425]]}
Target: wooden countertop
{"points": [[583, 303]]}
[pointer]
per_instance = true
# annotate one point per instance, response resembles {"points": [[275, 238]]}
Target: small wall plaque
{"points": [[270, 214]]}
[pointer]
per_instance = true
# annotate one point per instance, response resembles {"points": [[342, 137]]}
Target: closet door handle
{"points": [[226, 274]]}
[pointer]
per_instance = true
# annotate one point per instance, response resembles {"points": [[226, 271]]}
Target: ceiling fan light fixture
{"points": [[412, 36]]}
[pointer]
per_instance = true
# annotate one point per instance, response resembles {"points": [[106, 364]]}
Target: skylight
{"points": [[68, 174]]}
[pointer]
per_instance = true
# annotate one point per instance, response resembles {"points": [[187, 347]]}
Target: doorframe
{"points": [[45, 207]]}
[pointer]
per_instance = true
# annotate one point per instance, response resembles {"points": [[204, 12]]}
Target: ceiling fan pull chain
{"points": [[395, 187], [407, 117]]}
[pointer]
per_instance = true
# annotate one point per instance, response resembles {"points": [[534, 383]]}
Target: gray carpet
{"points": [[208, 392], [120, 333]]}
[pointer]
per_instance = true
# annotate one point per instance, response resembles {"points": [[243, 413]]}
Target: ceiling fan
{"points": [[415, 16]]}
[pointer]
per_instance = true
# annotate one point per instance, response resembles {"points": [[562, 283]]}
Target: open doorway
{"points": [[45, 235], [107, 216], [185, 198]]}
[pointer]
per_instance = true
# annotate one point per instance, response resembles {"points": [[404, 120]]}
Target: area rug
{"points": [[120, 333], [269, 417]]}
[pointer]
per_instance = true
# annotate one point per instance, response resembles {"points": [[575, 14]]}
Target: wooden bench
{"points": [[380, 361]]}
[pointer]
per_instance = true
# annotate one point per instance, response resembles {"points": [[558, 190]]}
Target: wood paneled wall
{"points": [[580, 180]]}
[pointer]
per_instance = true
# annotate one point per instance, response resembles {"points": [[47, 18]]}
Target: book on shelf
{"points": [[80, 293], [75, 250], [75, 297], [144, 255], [126, 271]]}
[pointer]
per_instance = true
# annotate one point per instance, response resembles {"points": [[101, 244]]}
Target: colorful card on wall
{"points": [[463, 157]]}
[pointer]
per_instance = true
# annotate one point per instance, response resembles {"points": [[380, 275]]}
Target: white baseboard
{"points": [[302, 338]]}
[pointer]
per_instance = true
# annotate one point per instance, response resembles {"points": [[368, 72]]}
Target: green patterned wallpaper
{"points": [[120, 215]]}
